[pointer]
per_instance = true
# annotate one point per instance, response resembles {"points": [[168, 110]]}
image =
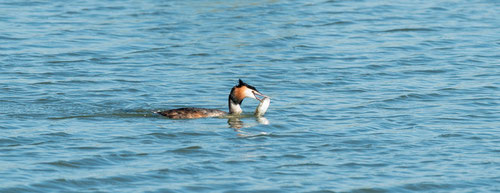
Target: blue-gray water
{"points": [[367, 96]]}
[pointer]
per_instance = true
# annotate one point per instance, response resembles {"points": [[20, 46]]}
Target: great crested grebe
{"points": [[236, 96]]}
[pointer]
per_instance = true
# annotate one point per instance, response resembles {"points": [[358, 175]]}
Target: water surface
{"points": [[367, 96]]}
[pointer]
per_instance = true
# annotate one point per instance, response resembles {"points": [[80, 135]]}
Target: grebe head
{"points": [[244, 90], [240, 92]]}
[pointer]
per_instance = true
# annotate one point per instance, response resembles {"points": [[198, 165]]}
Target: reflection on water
{"points": [[243, 129], [262, 120], [236, 122]]}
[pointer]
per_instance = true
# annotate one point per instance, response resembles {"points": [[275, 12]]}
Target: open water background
{"points": [[367, 96]]}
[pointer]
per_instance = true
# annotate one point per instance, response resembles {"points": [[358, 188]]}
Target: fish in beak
{"points": [[257, 93]]}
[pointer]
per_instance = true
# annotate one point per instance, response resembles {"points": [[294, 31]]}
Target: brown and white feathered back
{"points": [[191, 113]]}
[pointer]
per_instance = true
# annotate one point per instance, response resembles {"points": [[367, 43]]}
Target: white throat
{"points": [[234, 108]]}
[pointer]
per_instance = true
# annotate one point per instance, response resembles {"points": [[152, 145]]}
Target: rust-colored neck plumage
{"points": [[238, 93], [235, 99]]}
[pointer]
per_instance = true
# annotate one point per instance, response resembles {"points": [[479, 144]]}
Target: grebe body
{"points": [[192, 113], [236, 96]]}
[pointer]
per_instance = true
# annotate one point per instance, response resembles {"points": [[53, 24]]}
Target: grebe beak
{"points": [[255, 93]]}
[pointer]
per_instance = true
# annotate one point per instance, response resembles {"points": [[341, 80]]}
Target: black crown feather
{"points": [[241, 83]]}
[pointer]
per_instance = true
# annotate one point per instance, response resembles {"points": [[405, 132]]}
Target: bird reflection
{"points": [[236, 123]]}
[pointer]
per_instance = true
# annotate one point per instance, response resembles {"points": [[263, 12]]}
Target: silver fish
{"points": [[262, 108]]}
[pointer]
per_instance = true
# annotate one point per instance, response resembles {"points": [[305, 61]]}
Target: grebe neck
{"points": [[234, 106]]}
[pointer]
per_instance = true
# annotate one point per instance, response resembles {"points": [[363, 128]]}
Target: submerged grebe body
{"points": [[192, 113], [236, 96]]}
